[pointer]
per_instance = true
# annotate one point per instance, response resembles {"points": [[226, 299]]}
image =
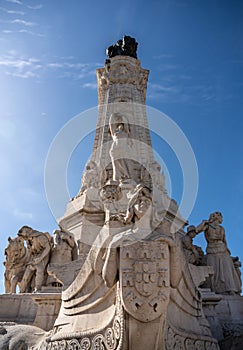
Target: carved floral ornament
{"points": [[176, 340], [108, 339]]}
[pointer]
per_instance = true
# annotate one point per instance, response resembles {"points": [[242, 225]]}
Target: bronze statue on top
{"points": [[126, 46]]}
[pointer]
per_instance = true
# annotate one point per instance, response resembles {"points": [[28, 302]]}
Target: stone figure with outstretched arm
{"points": [[225, 279]]}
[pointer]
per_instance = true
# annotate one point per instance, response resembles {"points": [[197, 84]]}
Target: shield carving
{"points": [[144, 276]]}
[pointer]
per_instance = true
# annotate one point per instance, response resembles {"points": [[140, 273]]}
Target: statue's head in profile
{"points": [[191, 231], [24, 232]]}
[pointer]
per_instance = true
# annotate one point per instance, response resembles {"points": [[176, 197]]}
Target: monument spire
{"points": [[122, 150]]}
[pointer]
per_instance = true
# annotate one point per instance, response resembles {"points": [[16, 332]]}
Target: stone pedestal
{"points": [[210, 301], [230, 314], [19, 308], [40, 310], [48, 306]]}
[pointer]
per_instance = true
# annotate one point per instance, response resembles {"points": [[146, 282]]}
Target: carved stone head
{"points": [[216, 216]]}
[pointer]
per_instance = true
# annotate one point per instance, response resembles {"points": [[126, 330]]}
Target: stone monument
{"points": [[131, 278]]}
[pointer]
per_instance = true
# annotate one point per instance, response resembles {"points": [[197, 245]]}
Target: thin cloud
{"points": [[74, 70], [25, 23], [180, 92], [24, 75], [22, 215], [17, 63], [164, 92], [55, 65], [20, 67], [167, 67], [35, 7], [22, 13], [162, 88], [162, 56], [30, 32], [68, 65], [15, 2], [23, 31], [31, 67], [12, 11], [92, 86]]}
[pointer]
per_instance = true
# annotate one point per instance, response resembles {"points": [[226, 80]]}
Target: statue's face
{"points": [[217, 216], [23, 232], [142, 206], [192, 234], [110, 192]]}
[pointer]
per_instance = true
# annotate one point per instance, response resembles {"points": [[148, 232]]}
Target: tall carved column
{"points": [[122, 150]]}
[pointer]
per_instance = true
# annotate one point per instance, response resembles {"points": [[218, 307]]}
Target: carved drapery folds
{"points": [[109, 337]]}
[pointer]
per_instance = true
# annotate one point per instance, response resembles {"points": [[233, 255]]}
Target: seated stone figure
{"points": [[190, 250], [64, 250], [39, 245], [64, 247], [225, 279]]}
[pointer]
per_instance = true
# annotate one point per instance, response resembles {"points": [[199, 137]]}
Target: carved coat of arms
{"points": [[145, 282]]}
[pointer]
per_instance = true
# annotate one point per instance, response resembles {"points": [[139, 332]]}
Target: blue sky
{"points": [[49, 52]]}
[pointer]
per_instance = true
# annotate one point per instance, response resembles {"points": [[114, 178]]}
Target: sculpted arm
{"points": [[45, 252], [129, 216], [202, 227], [131, 203]]}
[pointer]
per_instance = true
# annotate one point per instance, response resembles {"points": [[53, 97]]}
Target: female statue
{"points": [[225, 279], [121, 147]]}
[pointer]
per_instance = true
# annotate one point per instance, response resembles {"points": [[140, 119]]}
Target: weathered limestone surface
{"points": [[17, 308], [48, 306], [40, 310]]}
